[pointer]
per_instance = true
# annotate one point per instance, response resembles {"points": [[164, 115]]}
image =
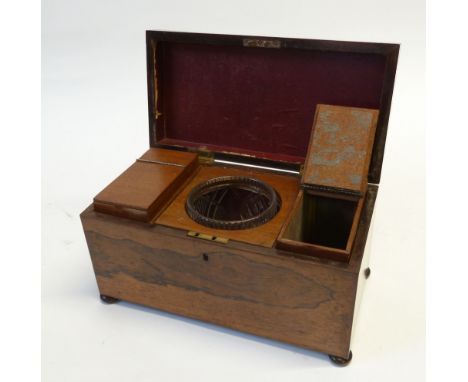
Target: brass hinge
{"points": [[261, 43], [203, 236], [301, 169], [205, 157]]}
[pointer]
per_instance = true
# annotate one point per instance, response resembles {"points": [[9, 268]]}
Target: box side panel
{"points": [[282, 298], [362, 280], [364, 247]]}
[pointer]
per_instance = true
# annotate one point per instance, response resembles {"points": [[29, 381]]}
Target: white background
{"points": [[95, 124]]}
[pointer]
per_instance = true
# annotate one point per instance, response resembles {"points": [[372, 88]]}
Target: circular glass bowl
{"points": [[232, 202]]}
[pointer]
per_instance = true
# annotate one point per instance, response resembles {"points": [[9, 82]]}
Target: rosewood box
{"points": [[252, 206]]}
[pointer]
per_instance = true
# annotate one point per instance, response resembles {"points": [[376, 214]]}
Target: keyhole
{"points": [[205, 257]]}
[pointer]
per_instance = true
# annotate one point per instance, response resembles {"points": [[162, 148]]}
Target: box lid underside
{"points": [[214, 93]]}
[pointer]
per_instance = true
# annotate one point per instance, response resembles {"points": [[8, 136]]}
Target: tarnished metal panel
{"points": [[340, 148]]}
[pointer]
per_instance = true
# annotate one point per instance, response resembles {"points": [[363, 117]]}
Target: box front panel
{"points": [[283, 298]]}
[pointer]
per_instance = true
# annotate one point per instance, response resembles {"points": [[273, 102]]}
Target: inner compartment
{"points": [[287, 187], [322, 220], [233, 203]]}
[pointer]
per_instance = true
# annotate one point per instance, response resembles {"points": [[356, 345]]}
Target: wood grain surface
{"points": [[284, 298], [147, 185], [182, 158], [340, 148]]}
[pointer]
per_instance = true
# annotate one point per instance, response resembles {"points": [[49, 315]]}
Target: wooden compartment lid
{"points": [[253, 99], [340, 149], [144, 188]]}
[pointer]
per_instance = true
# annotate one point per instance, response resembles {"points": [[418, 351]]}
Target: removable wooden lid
{"points": [[253, 99], [340, 149], [146, 185]]}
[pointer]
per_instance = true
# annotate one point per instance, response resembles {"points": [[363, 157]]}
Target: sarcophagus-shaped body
{"points": [[251, 209]]}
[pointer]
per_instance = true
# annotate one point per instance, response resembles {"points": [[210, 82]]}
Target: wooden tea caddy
{"points": [[306, 117]]}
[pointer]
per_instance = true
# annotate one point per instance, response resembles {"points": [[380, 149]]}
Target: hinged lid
{"points": [[254, 98], [340, 149]]}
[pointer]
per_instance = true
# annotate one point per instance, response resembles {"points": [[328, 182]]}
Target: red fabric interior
{"points": [[258, 101]]}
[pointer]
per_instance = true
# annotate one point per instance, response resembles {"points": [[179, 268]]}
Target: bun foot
{"points": [[108, 300], [339, 361]]}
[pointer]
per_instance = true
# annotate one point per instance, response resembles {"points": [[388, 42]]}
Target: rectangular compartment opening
{"points": [[321, 225]]}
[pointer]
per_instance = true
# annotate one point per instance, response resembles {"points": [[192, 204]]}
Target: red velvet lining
{"points": [[257, 100]]}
